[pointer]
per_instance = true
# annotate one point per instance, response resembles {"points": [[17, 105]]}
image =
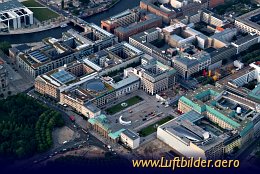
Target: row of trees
{"points": [[44, 126], [4, 46], [251, 54], [230, 5], [20, 117]]}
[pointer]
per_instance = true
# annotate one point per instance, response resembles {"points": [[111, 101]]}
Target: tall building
{"points": [[14, 15]]}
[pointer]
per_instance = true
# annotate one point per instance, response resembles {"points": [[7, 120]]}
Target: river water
{"points": [[56, 32]]}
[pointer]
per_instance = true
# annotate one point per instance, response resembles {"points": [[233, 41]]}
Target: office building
{"points": [[189, 140], [146, 22], [245, 42], [130, 139], [51, 55], [187, 64], [114, 58], [122, 19], [95, 36], [154, 76], [54, 53], [228, 110], [14, 15], [249, 22]]}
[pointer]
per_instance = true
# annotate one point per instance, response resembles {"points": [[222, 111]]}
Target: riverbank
{"points": [[57, 32], [33, 30], [100, 10]]}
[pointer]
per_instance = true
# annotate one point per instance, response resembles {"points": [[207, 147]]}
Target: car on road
{"points": [[72, 118], [64, 142]]}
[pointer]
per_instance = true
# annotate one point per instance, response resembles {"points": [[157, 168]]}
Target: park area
{"points": [[26, 127], [40, 12], [123, 105], [153, 127]]}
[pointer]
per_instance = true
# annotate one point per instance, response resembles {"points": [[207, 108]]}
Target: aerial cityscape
{"points": [[112, 85]]}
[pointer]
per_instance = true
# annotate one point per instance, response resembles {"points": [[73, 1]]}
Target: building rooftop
{"points": [[192, 60], [214, 105], [11, 4], [245, 39], [246, 19], [130, 134], [150, 18], [189, 132], [255, 93], [192, 116], [124, 82]]}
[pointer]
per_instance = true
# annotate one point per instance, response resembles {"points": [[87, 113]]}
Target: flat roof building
{"points": [[145, 22], [154, 76], [190, 140], [14, 15], [227, 109], [130, 139], [249, 22]]}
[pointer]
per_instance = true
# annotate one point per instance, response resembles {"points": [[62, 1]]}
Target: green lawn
{"points": [[152, 128], [117, 108], [42, 14], [31, 3]]}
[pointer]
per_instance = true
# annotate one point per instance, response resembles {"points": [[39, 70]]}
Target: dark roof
{"points": [[245, 39], [23, 47], [10, 5], [210, 49], [131, 134], [221, 50]]}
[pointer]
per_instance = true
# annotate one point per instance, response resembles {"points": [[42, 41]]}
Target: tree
{"points": [[20, 152], [62, 4], [84, 1], [9, 92], [2, 95], [24, 131], [4, 46]]}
